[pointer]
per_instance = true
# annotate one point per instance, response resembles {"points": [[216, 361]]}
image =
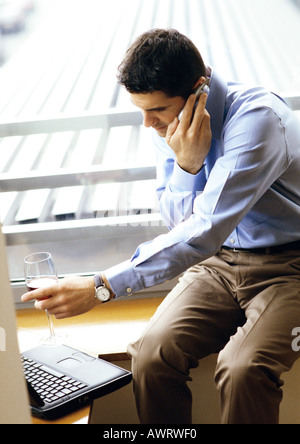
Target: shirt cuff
{"points": [[123, 279], [184, 181]]}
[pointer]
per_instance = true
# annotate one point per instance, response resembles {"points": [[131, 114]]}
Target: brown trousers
{"points": [[241, 305]]}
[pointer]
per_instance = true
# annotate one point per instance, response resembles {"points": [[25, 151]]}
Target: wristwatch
{"points": [[101, 292]]}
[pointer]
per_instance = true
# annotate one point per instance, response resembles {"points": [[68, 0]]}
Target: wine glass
{"points": [[40, 272]]}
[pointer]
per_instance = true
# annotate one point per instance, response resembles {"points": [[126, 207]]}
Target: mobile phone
{"points": [[204, 87]]}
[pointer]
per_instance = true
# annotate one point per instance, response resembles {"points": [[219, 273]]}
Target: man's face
{"points": [[158, 109]]}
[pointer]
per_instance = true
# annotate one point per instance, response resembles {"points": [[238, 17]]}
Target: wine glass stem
{"points": [[50, 323]]}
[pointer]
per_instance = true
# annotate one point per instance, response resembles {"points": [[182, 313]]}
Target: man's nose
{"points": [[149, 119]]}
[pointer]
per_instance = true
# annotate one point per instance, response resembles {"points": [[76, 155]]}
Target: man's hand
{"points": [[190, 139], [71, 296]]}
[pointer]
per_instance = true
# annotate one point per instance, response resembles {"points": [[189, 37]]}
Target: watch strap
{"points": [[98, 281]]}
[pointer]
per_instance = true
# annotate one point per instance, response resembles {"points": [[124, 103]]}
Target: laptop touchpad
{"points": [[69, 363]]}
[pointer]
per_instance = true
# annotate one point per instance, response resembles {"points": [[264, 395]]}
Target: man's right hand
{"points": [[190, 139]]}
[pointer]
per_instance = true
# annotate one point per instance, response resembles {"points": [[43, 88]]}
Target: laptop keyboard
{"points": [[49, 384]]}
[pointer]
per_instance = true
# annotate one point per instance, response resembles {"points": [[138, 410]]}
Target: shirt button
{"points": [[129, 290], [232, 241]]}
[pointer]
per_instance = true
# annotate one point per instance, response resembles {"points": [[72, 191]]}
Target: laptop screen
{"points": [[14, 406]]}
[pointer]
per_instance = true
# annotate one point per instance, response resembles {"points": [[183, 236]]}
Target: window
{"points": [[77, 167]]}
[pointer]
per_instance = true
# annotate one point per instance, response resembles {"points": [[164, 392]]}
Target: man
{"points": [[229, 190]]}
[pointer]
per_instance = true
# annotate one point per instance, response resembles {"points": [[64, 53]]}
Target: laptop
{"points": [[61, 379]]}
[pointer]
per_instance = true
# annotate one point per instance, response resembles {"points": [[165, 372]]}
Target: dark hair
{"points": [[161, 60]]}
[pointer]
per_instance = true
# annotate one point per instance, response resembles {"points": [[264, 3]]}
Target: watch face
{"points": [[102, 294]]}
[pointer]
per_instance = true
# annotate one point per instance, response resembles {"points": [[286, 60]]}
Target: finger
{"points": [[199, 111], [171, 129], [39, 305], [188, 112], [205, 129], [61, 315], [26, 297], [32, 295], [41, 293], [45, 303]]}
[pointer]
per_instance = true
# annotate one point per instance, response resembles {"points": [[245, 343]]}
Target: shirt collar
{"points": [[215, 104]]}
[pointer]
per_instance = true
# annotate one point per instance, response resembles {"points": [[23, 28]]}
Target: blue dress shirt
{"points": [[247, 195]]}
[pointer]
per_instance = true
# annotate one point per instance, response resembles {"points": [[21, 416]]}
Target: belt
{"points": [[267, 250]]}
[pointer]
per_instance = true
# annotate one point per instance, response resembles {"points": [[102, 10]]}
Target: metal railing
{"points": [[106, 156]]}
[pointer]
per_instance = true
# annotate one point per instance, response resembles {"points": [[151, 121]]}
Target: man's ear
{"points": [[199, 82]]}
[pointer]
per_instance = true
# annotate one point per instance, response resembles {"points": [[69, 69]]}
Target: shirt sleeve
{"points": [[177, 189], [254, 156]]}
